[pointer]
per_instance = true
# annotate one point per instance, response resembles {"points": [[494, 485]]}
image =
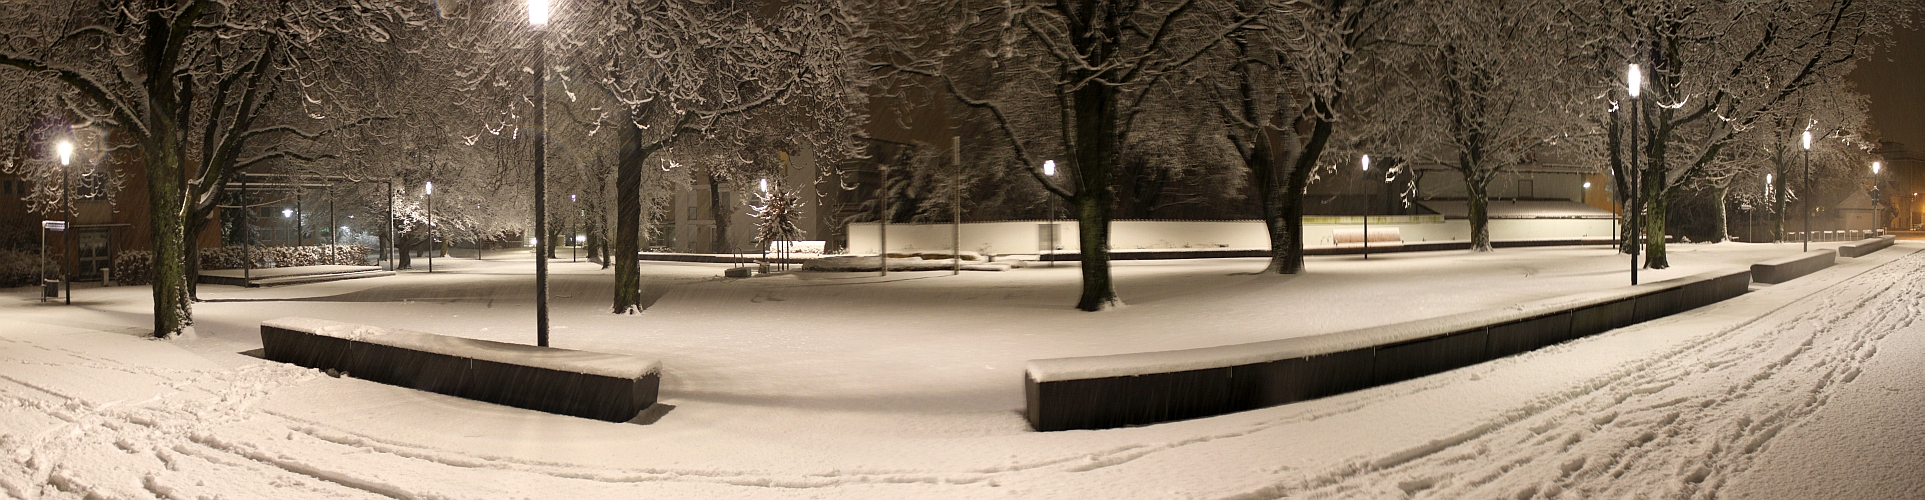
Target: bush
{"points": [[17, 269], [134, 267]]}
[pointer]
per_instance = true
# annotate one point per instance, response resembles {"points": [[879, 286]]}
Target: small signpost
{"points": [[48, 288]]}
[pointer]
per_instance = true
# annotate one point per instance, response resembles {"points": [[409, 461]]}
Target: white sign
{"points": [[53, 225]]}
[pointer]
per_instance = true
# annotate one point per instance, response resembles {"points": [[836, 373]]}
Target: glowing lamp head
{"points": [[1875, 166], [1587, 184], [533, 241], [430, 187], [1366, 163], [538, 12], [1634, 80], [571, 197], [66, 150], [581, 238], [765, 185], [1049, 168], [287, 212], [1767, 179], [1807, 140]]}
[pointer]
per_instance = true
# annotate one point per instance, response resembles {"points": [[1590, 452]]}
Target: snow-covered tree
{"points": [[1717, 68], [1060, 81], [198, 89], [1478, 101]]}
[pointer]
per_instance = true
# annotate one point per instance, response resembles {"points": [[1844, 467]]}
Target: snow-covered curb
{"points": [[584, 362], [1133, 364]]}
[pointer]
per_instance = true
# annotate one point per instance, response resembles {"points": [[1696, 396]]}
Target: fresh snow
{"points": [[858, 386]]}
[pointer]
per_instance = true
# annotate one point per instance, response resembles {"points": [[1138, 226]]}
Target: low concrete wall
{"points": [[1024, 237], [1099, 392], [1785, 269], [608, 387], [1866, 246]]}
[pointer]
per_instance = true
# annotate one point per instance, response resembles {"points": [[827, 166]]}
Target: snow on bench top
{"points": [[1798, 257], [1875, 240], [585, 362], [1146, 363]]}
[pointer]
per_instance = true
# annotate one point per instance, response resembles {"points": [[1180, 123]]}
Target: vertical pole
{"points": [[389, 229], [1052, 227], [1366, 224], [1635, 178], [334, 238], [1807, 198], [541, 185], [431, 249], [67, 233], [300, 240], [42, 264], [883, 220], [955, 150], [247, 235]]}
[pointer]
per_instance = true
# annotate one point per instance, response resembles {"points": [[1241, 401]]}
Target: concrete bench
{"points": [[1378, 237], [1784, 269], [1096, 392], [1866, 246], [609, 387]]}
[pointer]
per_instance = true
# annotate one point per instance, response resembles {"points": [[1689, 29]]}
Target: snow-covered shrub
{"points": [[134, 267], [17, 268]]}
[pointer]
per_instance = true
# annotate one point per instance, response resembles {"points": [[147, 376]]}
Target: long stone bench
{"points": [[610, 387], [1866, 246], [1784, 269], [1099, 392]]}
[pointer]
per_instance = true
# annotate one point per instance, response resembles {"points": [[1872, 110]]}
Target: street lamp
{"points": [[430, 190], [577, 230], [1366, 162], [1875, 198], [537, 19], [66, 150], [1049, 170], [1634, 84], [1806, 198]]}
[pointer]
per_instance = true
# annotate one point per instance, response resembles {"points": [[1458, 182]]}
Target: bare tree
{"points": [[199, 90]]}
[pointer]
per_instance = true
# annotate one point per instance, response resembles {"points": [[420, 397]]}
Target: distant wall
{"points": [[1023, 237]]}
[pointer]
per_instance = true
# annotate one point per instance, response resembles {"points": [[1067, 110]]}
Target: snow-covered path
{"points": [[1810, 387]]}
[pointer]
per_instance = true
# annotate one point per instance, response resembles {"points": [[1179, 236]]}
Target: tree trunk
{"points": [[1097, 158], [404, 250], [1480, 218], [1723, 222], [1289, 205], [1654, 212], [193, 263], [1778, 200], [628, 222], [173, 309], [719, 212]]}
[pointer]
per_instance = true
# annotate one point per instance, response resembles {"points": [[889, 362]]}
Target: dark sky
{"points": [[1895, 80]]}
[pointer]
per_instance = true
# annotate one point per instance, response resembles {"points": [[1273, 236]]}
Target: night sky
{"points": [[1892, 78]]}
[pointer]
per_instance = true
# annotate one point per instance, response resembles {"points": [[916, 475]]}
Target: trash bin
{"points": [[50, 288]]}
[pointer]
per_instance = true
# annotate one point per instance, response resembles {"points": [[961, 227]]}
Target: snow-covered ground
{"points": [[827, 385]]}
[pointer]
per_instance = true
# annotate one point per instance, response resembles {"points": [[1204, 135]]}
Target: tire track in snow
{"points": [[1676, 425]]}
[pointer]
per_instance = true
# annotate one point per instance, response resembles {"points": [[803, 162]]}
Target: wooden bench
{"points": [[609, 387], [1379, 237]]}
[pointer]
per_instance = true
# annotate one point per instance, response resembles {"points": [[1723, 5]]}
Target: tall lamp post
{"points": [[1366, 162], [430, 190], [574, 231], [1806, 198], [538, 20], [66, 150], [1635, 81], [1049, 170]]}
